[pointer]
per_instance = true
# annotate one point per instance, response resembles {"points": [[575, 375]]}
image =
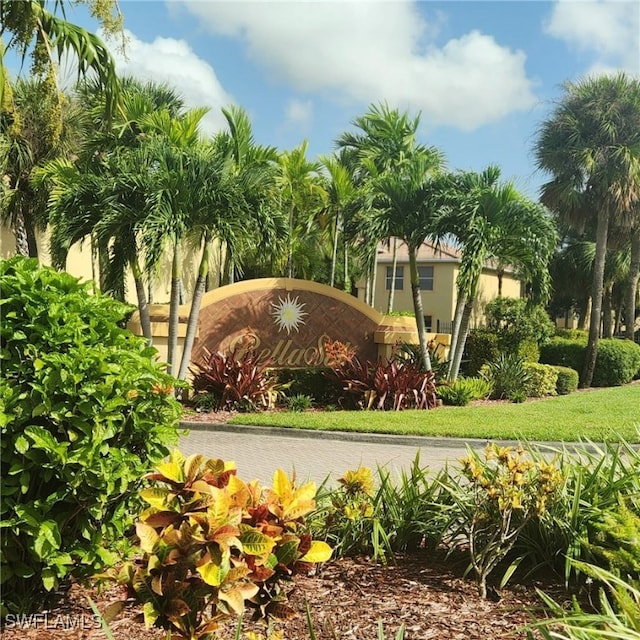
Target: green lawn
{"points": [[598, 415]]}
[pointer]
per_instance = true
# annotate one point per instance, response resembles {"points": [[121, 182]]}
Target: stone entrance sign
{"points": [[285, 320]]}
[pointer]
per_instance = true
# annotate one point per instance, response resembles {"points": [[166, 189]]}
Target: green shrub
{"points": [[542, 380], [464, 390], [86, 409], [617, 363], [567, 381], [564, 352], [573, 334], [299, 402], [507, 376], [317, 383], [481, 347]]}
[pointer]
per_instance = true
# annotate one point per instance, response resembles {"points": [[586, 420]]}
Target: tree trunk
{"points": [[334, 254], [194, 312], [20, 233], [374, 275], [392, 283], [462, 339], [455, 330], [143, 307], [584, 313], [418, 311], [174, 309], [607, 310], [347, 283], [602, 233], [632, 285]]}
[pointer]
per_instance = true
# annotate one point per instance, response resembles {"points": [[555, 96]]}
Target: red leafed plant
{"points": [[382, 385], [238, 380]]}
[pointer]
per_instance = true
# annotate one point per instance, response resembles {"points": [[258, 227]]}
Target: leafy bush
{"points": [[481, 347], [573, 334], [521, 328], [383, 385], [595, 479], [507, 490], [541, 380], [85, 410], [313, 382], [212, 545], [507, 376], [238, 380], [567, 381], [359, 517], [299, 402], [408, 353], [464, 390], [617, 362]]}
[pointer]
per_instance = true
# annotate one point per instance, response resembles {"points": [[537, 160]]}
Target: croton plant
{"points": [[213, 545]]}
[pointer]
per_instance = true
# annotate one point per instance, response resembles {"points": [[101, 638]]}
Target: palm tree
{"points": [[591, 147], [341, 193], [43, 125], [36, 31], [491, 219], [301, 196], [407, 204]]}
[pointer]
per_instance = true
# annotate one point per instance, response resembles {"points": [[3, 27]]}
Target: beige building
{"points": [[438, 270]]}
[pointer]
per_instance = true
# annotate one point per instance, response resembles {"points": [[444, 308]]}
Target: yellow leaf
{"points": [[213, 573], [150, 614], [255, 543], [192, 466], [281, 484], [319, 552], [171, 470], [155, 497], [236, 596], [148, 537]]}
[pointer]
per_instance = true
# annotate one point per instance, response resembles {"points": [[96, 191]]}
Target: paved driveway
{"points": [[312, 455]]}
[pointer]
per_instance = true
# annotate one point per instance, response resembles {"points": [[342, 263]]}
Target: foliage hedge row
{"points": [[618, 361], [85, 412]]}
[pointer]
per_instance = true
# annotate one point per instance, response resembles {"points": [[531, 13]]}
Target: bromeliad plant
{"points": [[390, 384], [213, 545], [238, 380], [507, 490]]}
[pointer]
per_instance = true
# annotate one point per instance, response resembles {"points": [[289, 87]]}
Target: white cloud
{"points": [[608, 28], [175, 63], [367, 51], [299, 113]]}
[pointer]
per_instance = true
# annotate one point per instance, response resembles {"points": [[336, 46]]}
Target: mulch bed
{"points": [[347, 599]]}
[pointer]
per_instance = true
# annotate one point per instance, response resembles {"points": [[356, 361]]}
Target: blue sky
{"points": [[482, 74]]}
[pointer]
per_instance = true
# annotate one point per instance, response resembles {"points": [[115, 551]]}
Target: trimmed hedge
{"points": [[617, 363], [567, 380], [541, 380]]}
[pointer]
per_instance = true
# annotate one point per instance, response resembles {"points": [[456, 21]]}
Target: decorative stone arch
{"points": [[287, 320]]}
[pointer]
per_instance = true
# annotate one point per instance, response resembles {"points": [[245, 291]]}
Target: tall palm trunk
{"points": [[607, 311], [418, 310], [194, 312], [20, 233], [374, 277], [392, 283], [632, 285], [347, 283], [461, 300], [463, 334], [290, 251], [334, 255], [143, 307], [602, 233], [174, 308]]}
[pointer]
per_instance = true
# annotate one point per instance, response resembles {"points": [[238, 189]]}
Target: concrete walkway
{"points": [[314, 455]]}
